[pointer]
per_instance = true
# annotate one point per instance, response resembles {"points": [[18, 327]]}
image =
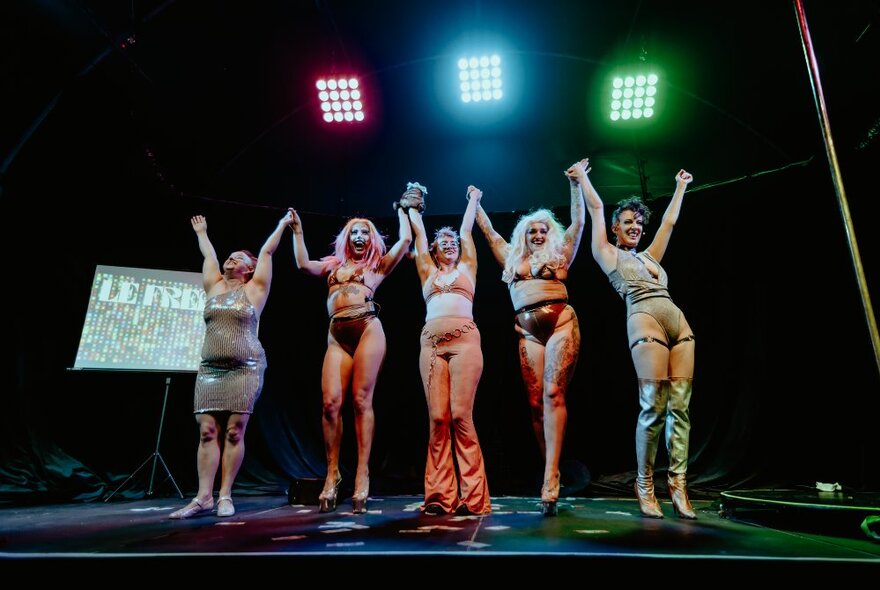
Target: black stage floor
{"points": [[267, 533]]}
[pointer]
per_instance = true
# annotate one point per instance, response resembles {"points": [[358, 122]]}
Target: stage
{"points": [[267, 533]]}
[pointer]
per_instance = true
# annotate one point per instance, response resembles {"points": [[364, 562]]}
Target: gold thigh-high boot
{"points": [[678, 433], [652, 398]]}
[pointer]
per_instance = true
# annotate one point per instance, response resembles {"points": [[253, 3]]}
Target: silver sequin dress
{"points": [[230, 376]]}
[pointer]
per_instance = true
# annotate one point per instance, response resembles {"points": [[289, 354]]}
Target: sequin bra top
{"points": [[546, 273], [460, 286], [524, 291], [356, 277], [632, 279]]}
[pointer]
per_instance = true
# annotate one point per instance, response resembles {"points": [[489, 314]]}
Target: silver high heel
{"points": [[550, 496], [359, 500], [653, 395], [677, 483], [648, 504], [327, 498]]}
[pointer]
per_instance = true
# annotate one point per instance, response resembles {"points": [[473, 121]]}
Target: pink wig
{"points": [[342, 246]]}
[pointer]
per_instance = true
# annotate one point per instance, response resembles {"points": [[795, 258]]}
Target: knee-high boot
{"points": [[652, 398], [678, 433]]}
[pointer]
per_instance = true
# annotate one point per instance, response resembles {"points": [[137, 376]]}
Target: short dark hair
{"points": [[634, 204]]}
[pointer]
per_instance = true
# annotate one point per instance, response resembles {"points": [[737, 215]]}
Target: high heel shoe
{"points": [[327, 498], [648, 504], [359, 500], [677, 483], [653, 398], [550, 496]]}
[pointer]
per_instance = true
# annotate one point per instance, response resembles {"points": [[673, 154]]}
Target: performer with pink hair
{"points": [[356, 340]]}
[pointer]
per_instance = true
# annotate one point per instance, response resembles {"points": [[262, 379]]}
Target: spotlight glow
{"points": [[340, 99], [480, 78], [633, 96]]}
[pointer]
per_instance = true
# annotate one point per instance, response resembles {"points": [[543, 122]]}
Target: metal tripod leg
{"points": [[156, 456]]}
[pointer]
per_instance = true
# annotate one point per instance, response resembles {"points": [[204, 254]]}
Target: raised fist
{"points": [[413, 197]]}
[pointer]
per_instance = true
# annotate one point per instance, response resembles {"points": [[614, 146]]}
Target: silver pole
{"points": [[836, 176]]}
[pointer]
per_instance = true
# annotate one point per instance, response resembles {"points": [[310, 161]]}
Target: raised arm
{"points": [[498, 244], [661, 239], [578, 215], [465, 232], [315, 268], [258, 286], [400, 247], [211, 274], [603, 251], [423, 260]]}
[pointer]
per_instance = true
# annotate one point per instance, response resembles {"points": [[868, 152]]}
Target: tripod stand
{"points": [[156, 456]]}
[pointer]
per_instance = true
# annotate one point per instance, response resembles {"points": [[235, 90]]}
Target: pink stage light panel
{"points": [[340, 99]]}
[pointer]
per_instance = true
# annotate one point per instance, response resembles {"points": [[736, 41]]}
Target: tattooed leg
{"points": [[561, 357], [531, 363]]}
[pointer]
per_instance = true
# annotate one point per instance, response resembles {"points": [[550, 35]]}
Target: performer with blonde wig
{"points": [[536, 263]]}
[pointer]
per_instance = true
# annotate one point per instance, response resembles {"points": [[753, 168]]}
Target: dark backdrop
{"points": [[785, 391], [122, 120]]}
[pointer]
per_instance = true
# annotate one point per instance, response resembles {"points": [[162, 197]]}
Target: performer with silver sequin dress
{"points": [[233, 361], [230, 376]]}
